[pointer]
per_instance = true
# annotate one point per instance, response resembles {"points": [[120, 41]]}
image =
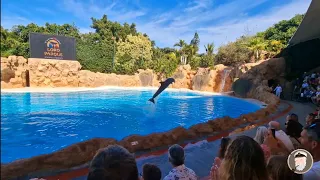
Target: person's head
{"points": [[176, 155], [243, 160], [300, 160], [223, 146], [113, 162], [260, 134], [151, 172], [274, 125], [310, 139], [310, 118], [293, 128], [278, 169], [292, 116]]}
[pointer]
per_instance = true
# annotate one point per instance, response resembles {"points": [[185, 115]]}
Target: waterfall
{"points": [[226, 73]]}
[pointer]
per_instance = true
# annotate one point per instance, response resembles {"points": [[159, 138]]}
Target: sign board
{"points": [[46, 46]]}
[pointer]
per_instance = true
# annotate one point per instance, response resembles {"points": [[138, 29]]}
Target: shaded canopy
{"points": [[310, 26]]}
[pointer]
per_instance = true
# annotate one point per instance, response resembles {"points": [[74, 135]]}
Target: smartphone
{"points": [[273, 133]]}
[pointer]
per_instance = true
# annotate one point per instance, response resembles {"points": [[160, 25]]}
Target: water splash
{"points": [[226, 73]]}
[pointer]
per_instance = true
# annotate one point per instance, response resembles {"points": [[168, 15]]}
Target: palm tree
{"points": [[257, 45], [209, 49], [182, 44]]}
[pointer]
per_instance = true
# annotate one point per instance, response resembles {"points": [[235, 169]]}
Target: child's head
{"points": [[151, 172]]}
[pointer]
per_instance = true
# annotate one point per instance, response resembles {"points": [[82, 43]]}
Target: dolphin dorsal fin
{"points": [[161, 82]]}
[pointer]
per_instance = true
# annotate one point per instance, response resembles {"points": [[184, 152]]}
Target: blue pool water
{"points": [[39, 123]]}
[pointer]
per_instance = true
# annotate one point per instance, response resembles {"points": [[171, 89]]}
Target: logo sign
{"points": [[46, 46], [300, 161]]}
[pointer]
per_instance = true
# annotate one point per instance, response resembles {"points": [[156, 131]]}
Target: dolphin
{"points": [[162, 87]]}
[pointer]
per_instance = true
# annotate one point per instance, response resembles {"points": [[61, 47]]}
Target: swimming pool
{"points": [[40, 123]]}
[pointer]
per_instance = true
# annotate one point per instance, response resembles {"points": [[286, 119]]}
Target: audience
{"points": [[222, 150], [278, 169], [310, 119], [179, 171], [293, 130], [150, 172], [113, 162], [244, 160], [241, 159], [309, 89], [281, 136], [310, 140], [260, 134]]}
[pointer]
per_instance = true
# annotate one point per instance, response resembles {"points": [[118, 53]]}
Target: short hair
{"points": [[313, 131], [293, 116], [151, 172], [113, 162], [176, 155]]}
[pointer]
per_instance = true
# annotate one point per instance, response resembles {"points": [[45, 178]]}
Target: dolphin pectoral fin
{"points": [[152, 100]]}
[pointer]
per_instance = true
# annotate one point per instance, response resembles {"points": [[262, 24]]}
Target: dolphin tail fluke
{"points": [[152, 100]]}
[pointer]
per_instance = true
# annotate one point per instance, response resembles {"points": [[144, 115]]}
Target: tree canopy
{"points": [[120, 48]]}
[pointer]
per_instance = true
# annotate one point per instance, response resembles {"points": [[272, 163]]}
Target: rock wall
{"points": [[202, 79], [53, 73], [14, 71], [57, 73]]}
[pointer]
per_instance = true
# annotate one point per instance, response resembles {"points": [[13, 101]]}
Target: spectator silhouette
{"points": [[278, 169], [113, 162], [151, 172], [260, 134], [243, 160], [179, 171]]}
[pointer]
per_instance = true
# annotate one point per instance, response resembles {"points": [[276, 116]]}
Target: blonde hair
{"points": [[244, 160], [260, 134]]}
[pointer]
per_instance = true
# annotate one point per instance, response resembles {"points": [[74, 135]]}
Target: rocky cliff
{"points": [[55, 73], [14, 72], [251, 78]]}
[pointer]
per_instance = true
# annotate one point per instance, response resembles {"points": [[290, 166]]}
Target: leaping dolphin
{"points": [[162, 87]]}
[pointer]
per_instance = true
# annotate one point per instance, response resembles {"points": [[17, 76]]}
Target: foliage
{"points": [[138, 48], [166, 64], [283, 30], [234, 53], [131, 50]]}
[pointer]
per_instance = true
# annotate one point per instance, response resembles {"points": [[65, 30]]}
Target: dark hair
{"points": [[313, 131], [113, 162], [151, 172], [293, 128], [278, 169], [176, 155], [293, 116], [243, 160], [223, 146], [312, 115]]}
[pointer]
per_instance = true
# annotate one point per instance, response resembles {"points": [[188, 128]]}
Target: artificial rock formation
{"points": [[202, 79], [53, 73], [14, 71]]}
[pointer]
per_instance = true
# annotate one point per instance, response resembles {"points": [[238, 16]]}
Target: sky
{"points": [[165, 21]]}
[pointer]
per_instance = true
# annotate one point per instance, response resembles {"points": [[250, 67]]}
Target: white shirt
{"points": [[285, 139], [181, 173], [278, 89], [313, 173]]}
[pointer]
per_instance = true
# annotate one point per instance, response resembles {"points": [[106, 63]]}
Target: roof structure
{"points": [[309, 28]]}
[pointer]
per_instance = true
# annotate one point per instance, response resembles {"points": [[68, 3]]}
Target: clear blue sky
{"points": [[165, 21]]}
